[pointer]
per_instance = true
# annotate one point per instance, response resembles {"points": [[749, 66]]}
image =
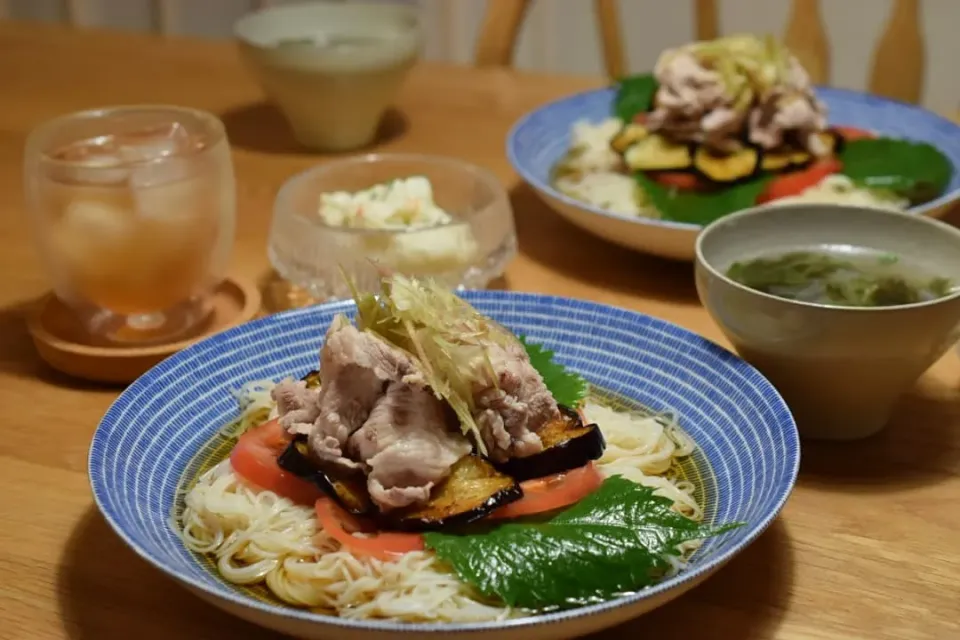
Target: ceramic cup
{"points": [[840, 369], [331, 68]]}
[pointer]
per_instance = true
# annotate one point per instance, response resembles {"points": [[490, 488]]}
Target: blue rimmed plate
{"points": [[748, 444], [538, 141]]}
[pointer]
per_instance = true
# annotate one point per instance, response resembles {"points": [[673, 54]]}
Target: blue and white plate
{"points": [[538, 141], [748, 452]]}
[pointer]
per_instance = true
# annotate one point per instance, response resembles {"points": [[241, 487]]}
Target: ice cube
{"points": [[93, 161], [174, 201], [98, 150], [163, 172], [155, 154], [95, 222], [163, 141], [91, 175]]}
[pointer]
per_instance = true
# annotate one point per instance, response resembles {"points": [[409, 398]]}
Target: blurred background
{"points": [[561, 36]]}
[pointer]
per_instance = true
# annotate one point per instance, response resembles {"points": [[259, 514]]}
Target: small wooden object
{"points": [[897, 69], [898, 62], [806, 36], [65, 345], [503, 19], [706, 22]]}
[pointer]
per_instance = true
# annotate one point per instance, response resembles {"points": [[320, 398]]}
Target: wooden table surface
{"points": [[868, 546]]}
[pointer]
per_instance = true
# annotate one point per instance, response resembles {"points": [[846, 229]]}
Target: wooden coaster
{"points": [[65, 345]]}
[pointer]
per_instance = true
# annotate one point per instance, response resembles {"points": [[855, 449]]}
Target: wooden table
{"points": [[868, 546]]}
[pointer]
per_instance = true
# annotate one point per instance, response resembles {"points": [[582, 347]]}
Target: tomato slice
{"points": [[678, 180], [641, 118], [255, 460], [795, 183], [854, 133], [553, 492], [341, 526]]}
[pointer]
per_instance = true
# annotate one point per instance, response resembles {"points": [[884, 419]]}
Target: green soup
{"points": [[859, 278]]}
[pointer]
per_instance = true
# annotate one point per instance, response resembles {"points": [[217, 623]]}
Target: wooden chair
{"points": [[501, 30], [898, 61], [166, 13]]}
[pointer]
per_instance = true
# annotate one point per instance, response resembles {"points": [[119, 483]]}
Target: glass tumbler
{"points": [[133, 212]]}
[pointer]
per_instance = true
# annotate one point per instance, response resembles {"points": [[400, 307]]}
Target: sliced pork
{"points": [[408, 444], [374, 413], [355, 369], [297, 406], [700, 100], [510, 413]]}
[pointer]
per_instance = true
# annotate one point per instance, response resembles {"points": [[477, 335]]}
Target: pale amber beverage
{"points": [[133, 210]]}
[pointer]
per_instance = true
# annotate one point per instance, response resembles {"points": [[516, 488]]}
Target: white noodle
{"points": [[258, 537], [644, 449], [255, 403]]}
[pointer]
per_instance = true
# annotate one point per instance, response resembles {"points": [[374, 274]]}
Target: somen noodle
{"points": [[258, 537]]}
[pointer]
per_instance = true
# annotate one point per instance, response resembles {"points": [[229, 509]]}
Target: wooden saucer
{"points": [[65, 345]]}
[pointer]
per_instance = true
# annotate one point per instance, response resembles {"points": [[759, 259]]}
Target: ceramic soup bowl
{"points": [[840, 368]]}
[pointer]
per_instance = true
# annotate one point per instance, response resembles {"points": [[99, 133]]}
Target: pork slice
{"points": [[297, 406], [407, 445], [686, 86], [510, 413], [355, 369]]}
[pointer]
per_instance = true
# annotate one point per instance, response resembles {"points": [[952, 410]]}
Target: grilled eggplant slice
{"points": [[656, 153], [726, 168], [628, 135], [472, 491], [824, 144], [312, 379], [800, 159], [567, 444], [348, 489], [785, 160], [774, 162]]}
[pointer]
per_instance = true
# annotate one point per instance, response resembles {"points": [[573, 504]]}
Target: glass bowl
{"points": [[466, 253]]}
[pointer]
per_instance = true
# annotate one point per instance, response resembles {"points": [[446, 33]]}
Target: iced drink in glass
{"points": [[133, 209]]}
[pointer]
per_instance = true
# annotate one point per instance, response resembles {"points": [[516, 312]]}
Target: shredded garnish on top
{"points": [[749, 66], [445, 335]]}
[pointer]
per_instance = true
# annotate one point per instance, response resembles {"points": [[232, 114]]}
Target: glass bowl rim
{"points": [[480, 175]]}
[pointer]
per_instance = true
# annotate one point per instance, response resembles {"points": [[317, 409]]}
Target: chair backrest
{"points": [[500, 32], [167, 17], [898, 62], [897, 69]]}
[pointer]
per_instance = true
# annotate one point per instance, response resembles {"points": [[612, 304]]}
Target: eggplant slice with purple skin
{"points": [[472, 491], [348, 489], [312, 379], [567, 444]]}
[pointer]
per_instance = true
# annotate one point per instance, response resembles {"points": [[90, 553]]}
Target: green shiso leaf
{"points": [[568, 388], [615, 541]]}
